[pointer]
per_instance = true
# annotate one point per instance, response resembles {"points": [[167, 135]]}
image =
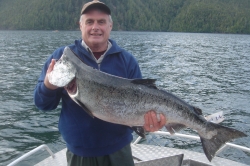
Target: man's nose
{"points": [[95, 26]]}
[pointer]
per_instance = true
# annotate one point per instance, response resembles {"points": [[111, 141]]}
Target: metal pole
{"points": [[41, 147]]}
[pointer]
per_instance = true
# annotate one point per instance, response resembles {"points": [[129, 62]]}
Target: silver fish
{"points": [[125, 101]]}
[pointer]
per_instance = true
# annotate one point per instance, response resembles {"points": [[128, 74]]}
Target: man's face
{"points": [[95, 26]]}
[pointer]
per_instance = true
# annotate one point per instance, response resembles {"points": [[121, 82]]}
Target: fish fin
{"points": [[197, 110], [147, 82], [84, 107], [223, 135], [174, 127], [139, 130]]}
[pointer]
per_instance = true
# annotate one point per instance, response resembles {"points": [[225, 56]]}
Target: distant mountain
{"points": [[210, 16]]}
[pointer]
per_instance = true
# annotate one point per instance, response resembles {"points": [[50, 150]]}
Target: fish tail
{"points": [[223, 135]]}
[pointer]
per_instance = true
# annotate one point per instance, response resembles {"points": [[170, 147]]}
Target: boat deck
{"points": [[149, 155]]}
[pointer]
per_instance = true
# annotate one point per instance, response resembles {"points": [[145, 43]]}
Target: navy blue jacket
{"points": [[84, 135]]}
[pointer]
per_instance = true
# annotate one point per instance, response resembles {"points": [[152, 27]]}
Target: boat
{"points": [[148, 155]]}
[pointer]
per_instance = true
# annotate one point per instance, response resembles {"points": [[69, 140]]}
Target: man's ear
{"points": [[80, 25], [111, 26]]}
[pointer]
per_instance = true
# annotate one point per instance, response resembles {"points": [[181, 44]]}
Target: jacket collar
{"points": [[114, 48]]}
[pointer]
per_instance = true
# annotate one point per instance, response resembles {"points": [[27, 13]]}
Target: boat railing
{"points": [[45, 147], [41, 147], [245, 149]]}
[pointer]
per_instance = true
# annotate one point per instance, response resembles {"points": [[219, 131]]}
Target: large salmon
{"points": [[125, 101]]}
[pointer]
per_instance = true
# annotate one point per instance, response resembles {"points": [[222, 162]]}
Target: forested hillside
{"points": [[219, 16]]}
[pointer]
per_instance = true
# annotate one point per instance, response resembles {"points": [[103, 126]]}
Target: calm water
{"points": [[210, 71]]}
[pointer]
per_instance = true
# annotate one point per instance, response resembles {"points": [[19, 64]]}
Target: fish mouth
{"points": [[72, 87]]}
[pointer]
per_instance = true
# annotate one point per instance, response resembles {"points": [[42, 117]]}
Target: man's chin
{"points": [[96, 41]]}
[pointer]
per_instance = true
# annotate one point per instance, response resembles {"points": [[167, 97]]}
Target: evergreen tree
{"points": [[215, 16]]}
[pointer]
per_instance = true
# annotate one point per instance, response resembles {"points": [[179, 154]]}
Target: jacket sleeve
{"points": [[133, 68], [44, 98]]}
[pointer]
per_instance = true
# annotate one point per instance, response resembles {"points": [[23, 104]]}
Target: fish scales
{"points": [[114, 100]]}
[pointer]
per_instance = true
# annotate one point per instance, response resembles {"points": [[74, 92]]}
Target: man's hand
{"points": [[46, 80], [152, 123]]}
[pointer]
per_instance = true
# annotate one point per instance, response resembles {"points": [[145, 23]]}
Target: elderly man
{"points": [[91, 141]]}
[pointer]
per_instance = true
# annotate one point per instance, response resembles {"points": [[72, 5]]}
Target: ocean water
{"points": [[210, 71]]}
